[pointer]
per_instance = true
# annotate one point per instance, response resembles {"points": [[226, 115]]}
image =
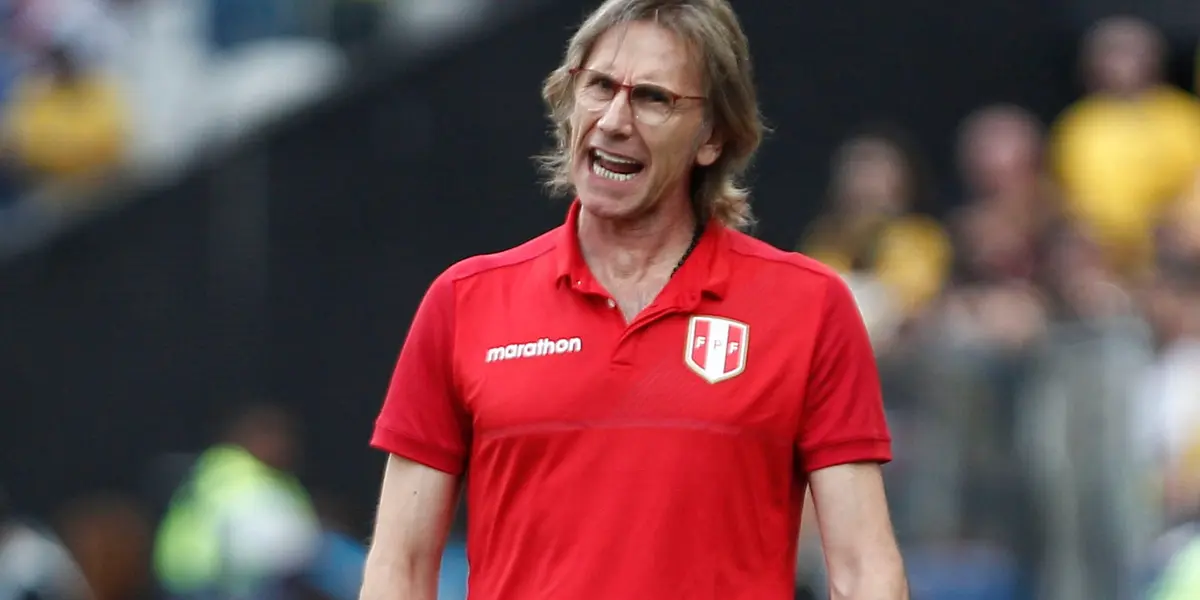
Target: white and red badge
{"points": [[716, 347]]}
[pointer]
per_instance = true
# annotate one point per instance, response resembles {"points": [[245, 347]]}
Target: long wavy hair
{"points": [[715, 38]]}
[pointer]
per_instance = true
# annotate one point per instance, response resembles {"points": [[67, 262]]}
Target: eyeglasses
{"points": [[651, 104]]}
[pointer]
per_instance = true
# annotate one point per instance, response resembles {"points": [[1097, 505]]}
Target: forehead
{"points": [[642, 51], [994, 128], [871, 149], [1122, 36]]}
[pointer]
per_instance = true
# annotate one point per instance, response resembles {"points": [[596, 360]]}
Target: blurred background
{"points": [[217, 218]]}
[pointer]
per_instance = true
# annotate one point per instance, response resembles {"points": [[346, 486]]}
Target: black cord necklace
{"points": [[691, 247]]}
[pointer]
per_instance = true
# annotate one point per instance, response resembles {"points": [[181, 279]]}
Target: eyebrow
{"points": [[652, 78]]}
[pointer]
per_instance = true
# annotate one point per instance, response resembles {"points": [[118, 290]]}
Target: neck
{"points": [[636, 249]]}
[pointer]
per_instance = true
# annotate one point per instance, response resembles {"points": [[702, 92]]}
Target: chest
{"points": [[578, 364]]}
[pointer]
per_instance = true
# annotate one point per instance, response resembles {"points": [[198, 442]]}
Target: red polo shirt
{"points": [[665, 458]]}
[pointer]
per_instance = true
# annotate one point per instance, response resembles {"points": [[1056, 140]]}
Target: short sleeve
{"points": [[423, 418], [843, 419]]}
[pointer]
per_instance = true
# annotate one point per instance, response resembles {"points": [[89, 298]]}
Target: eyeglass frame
{"points": [[628, 88]]}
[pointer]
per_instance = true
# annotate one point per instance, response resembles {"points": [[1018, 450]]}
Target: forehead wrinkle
{"points": [[665, 66]]}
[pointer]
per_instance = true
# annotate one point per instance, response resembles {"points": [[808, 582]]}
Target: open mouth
{"points": [[613, 166]]}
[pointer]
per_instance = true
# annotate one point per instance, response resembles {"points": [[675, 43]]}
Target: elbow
{"points": [[882, 579], [400, 575]]}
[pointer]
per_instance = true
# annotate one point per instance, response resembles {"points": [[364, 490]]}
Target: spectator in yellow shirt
{"points": [[64, 122], [1130, 146]]}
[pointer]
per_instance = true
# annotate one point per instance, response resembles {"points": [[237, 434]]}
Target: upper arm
{"points": [[851, 506], [856, 530], [842, 420], [416, 505]]}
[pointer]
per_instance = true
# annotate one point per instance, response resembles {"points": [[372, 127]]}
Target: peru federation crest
{"points": [[716, 347]]}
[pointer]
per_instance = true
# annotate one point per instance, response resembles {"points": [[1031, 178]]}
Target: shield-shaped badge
{"points": [[716, 347]]}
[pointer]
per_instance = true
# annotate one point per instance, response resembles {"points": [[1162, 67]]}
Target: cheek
{"points": [[581, 123], [672, 153]]}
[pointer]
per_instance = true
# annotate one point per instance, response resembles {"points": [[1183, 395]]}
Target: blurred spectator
{"points": [[10, 69], [1079, 281], [1170, 385], [33, 563], [66, 123], [874, 231], [110, 540], [1182, 581], [1130, 146], [1179, 549], [1179, 231], [1000, 232], [241, 525]]}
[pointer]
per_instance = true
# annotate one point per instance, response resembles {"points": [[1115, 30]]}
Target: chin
{"points": [[611, 199]]}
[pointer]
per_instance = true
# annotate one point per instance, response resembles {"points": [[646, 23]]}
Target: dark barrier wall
{"points": [[291, 268]]}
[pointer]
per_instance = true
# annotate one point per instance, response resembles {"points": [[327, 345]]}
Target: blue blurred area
{"points": [[336, 572], [453, 585], [235, 23], [964, 574], [9, 71]]}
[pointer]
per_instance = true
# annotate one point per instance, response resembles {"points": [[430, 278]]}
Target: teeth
{"points": [[615, 158], [605, 173]]}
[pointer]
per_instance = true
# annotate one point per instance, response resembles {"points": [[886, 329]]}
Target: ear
{"points": [[710, 150]]}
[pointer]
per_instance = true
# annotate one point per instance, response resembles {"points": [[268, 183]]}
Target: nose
{"points": [[617, 118]]}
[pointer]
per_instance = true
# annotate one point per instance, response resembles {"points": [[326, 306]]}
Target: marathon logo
{"points": [[542, 347]]}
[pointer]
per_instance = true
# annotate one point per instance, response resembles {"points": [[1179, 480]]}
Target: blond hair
{"points": [[713, 34]]}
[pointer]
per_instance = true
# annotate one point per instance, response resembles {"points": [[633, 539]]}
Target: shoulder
{"points": [[1078, 116], [791, 274], [507, 266], [797, 293], [754, 253], [1175, 97], [917, 233], [505, 262]]}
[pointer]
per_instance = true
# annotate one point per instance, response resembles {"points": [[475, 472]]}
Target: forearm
{"points": [[391, 578]]}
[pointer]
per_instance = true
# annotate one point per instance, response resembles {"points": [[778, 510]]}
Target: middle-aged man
{"points": [[638, 399]]}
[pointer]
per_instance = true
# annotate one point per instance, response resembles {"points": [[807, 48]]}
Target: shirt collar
{"points": [[706, 270]]}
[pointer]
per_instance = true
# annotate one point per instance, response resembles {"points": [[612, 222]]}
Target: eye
{"points": [[652, 95], [601, 83]]}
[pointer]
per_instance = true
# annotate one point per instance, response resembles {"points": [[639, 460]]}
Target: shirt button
{"points": [[579, 283], [612, 303]]}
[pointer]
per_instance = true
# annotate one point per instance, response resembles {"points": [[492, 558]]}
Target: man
{"points": [[637, 400], [240, 524], [1129, 148], [67, 122]]}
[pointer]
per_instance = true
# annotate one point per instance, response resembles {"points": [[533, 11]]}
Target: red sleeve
{"points": [[423, 418], [843, 419]]}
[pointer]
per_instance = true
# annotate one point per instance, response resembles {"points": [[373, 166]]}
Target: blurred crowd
{"points": [[1046, 329], [95, 93], [231, 521]]}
